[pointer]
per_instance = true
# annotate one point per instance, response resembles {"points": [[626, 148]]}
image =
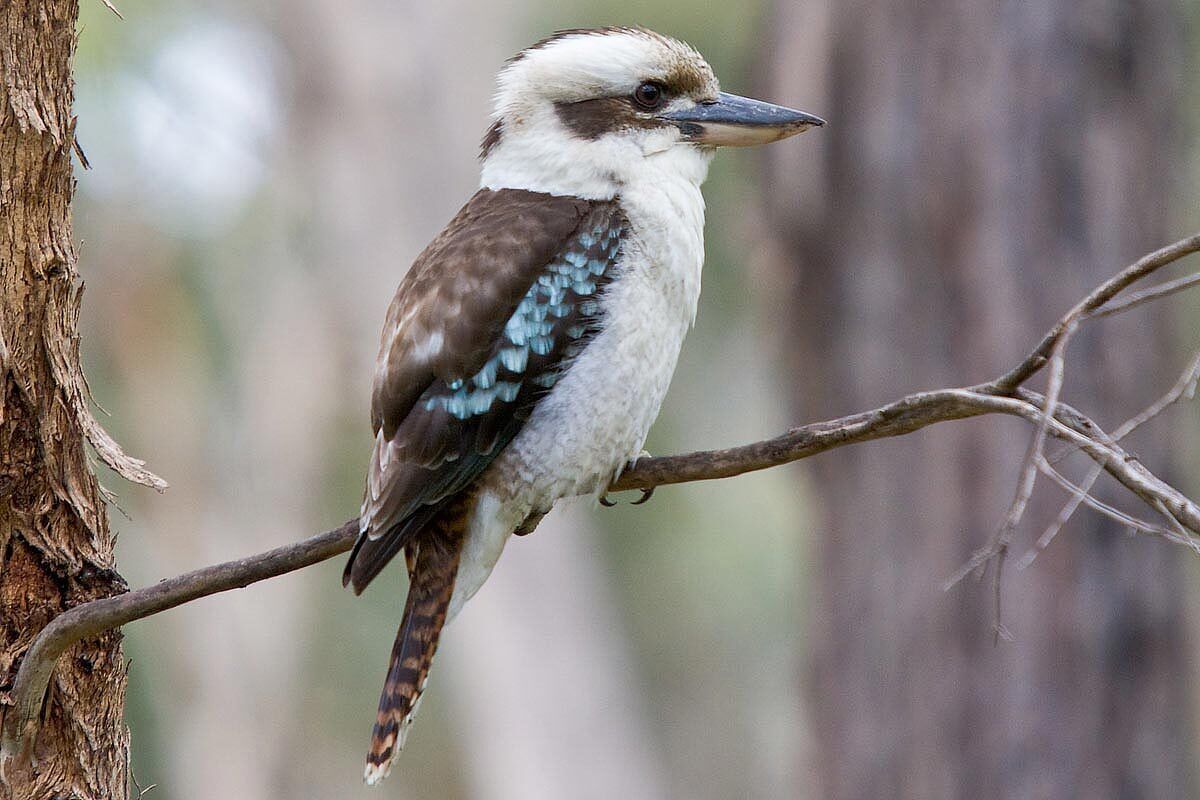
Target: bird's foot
{"points": [[647, 492]]}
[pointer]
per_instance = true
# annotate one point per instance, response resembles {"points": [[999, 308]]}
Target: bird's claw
{"points": [[646, 494]]}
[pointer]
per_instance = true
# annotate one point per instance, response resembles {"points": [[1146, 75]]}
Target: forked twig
{"points": [[997, 549], [1184, 389]]}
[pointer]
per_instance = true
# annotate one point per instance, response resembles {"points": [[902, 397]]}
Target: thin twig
{"points": [[1146, 295], [1100, 506], [1029, 471], [999, 632], [1076, 429], [997, 549], [1054, 384], [108, 4], [1072, 427], [1178, 534], [1029, 405], [1183, 389], [1068, 510]]}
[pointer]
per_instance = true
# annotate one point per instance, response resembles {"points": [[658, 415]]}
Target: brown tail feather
{"points": [[430, 588]]}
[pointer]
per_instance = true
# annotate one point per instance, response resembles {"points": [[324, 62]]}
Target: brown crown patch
{"points": [[692, 77]]}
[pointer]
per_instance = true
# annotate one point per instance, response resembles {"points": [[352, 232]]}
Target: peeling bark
{"points": [[56, 550]]}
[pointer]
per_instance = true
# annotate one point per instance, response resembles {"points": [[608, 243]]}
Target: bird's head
{"points": [[585, 111]]}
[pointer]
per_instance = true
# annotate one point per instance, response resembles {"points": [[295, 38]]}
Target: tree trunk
{"points": [[984, 165], [55, 547]]}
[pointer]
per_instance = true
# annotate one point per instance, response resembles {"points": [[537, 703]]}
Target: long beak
{"points": [[739, 121]]}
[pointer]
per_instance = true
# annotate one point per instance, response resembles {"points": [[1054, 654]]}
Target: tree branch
{"points": [[1004, 395], [1100, 296]]}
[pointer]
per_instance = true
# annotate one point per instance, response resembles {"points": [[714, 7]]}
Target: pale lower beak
{"points": [[736, 121]]}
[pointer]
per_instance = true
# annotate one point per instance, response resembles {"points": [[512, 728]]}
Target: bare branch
{"points": [[1111, 512], [1100, 296], [1050, 349], [997, 549], [1057, 364], [1184, 388], [1072, 427], [906, 415], [1005, 395], [97, 616]]}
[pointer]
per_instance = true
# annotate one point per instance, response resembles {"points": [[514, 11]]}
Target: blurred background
{"points": [[264, 173]]}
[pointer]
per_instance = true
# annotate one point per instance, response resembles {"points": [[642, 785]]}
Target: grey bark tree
{"points": [[983, 164]]}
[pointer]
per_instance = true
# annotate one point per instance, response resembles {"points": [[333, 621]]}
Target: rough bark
{"points": [[984, 163], [55, 546]]}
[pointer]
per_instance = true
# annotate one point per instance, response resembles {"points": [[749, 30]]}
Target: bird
{"points": [[529, 347]]}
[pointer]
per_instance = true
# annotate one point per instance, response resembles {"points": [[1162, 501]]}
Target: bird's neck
{"points": [[665, 210]]}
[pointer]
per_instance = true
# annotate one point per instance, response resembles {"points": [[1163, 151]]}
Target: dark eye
{"points": [[649, 95]]}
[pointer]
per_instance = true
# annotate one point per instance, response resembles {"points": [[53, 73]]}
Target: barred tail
{"points": [[429, 592]]}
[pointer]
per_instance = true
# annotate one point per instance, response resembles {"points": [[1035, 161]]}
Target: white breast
{"points": [[595, 420]]}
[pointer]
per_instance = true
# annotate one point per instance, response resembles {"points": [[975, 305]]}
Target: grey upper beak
{"points": [[733, 120]]}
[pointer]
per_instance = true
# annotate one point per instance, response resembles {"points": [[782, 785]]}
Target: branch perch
{"points": [[1005, 395]]}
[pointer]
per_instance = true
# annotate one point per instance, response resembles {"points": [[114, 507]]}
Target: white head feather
{"points": [[537, 150]]}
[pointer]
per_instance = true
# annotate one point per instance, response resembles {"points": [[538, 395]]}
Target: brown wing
{"points": [[460, 291], [460, 371]]}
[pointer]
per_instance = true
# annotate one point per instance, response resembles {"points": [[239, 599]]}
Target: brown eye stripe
{"points": [[591, 119]]}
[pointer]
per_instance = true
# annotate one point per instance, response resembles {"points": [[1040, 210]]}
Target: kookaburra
{"points": [[529, 347]]}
